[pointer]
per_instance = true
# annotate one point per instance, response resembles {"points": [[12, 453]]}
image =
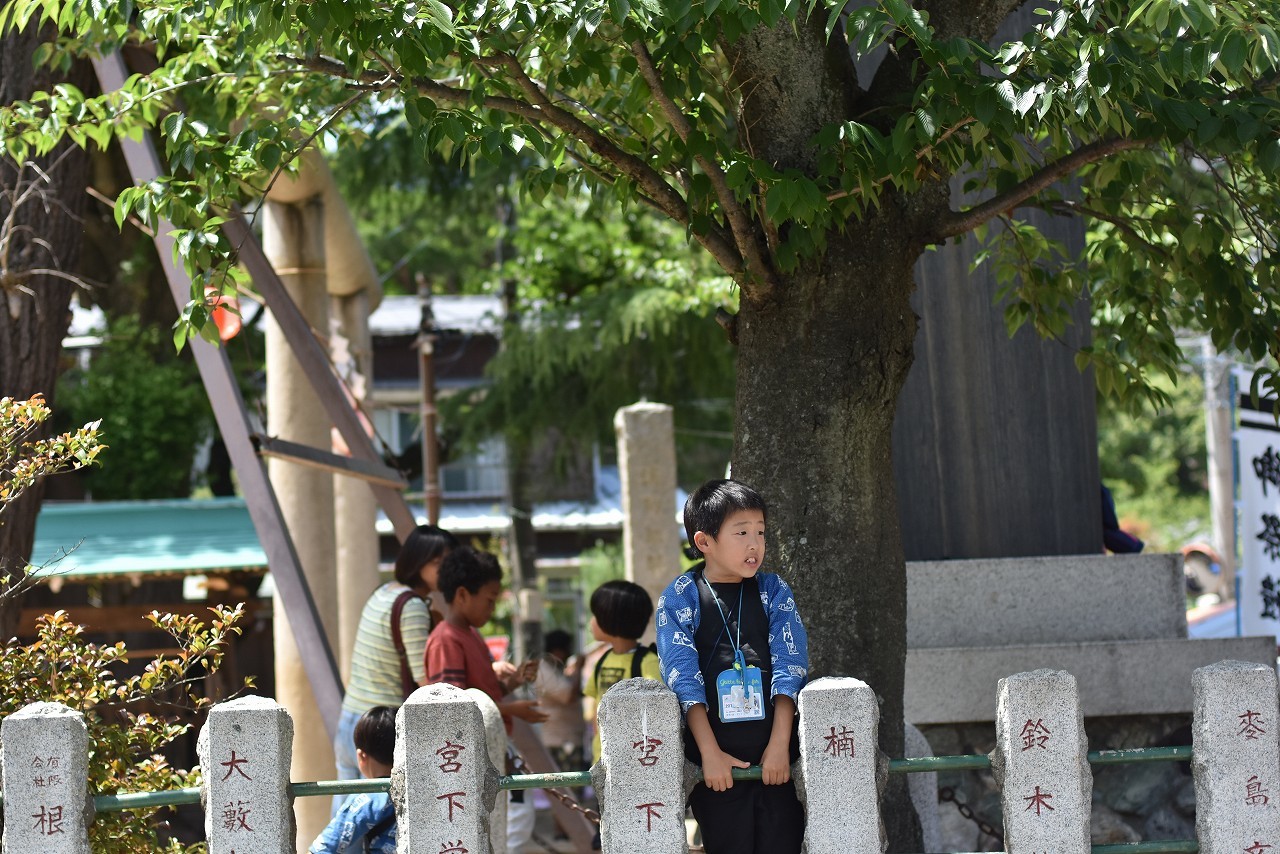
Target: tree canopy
{"points": [[814, 153], [1156, 118]]}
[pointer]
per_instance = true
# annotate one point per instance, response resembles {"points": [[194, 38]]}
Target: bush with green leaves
{"points": [[130, 718], [153, 409]]}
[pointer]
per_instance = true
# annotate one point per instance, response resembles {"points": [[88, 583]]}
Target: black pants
{"points": [[750, 817]]}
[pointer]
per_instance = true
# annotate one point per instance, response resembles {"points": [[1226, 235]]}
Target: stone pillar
{"points": [[355, 510], [640, 775], [923, 788], [443, 784], [1236, 765], [244, 747], [647, 467], [839, 732], [292, 239], [495, 738], [45, 779], [1041, 764]]}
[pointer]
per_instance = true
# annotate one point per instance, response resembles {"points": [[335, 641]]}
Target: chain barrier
{"points": [[947, 793], [591, 815]]}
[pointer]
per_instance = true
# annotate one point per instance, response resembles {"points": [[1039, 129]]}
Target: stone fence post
{"points": [[246, 749], [443, 783], [839, 749], [1236, 762], [1041, 764], [45, 778], [495, 736], [640, 775]]}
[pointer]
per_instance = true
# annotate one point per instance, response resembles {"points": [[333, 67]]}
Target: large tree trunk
{"points": [[35, 313], [819, 369], [822, 357]]}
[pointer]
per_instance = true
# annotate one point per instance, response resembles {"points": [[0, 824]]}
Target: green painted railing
{"points": [[578, 779]]}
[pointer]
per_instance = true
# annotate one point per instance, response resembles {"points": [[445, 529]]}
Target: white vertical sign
{"points": [[1258, 519]]}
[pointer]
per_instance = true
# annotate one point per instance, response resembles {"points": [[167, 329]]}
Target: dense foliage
{"points": [[130, 719], [642, 98], [1154, 463], [152, 407]]}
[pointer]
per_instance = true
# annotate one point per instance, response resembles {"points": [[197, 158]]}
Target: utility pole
{"points": [[1217, 422], [522, 550], [427, 382]]}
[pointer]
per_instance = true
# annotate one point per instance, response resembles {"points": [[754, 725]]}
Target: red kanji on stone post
{"points": [[1039, 800], [1251, 725], [1035, 734], [650, 814]]}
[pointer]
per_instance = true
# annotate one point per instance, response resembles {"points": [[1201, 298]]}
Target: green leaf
{"points": [[439, 15]]}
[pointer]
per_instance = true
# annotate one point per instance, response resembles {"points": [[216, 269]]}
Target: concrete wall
{"points": [[1002, 602]]}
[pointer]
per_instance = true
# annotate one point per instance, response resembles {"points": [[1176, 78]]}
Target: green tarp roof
{"points": [[131, 537]]}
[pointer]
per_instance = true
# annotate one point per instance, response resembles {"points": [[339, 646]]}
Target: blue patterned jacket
{"points": [[356, 817], [678, 617]]}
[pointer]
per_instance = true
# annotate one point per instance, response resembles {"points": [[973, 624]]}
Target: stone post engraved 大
{"points": [[246, 750]]}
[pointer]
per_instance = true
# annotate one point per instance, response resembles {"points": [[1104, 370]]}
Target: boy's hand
{"points": [[717, 769], [504, 670], [775, 764], [527, 672], [525, 710]]}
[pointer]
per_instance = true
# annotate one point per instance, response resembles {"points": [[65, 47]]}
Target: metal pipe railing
{"points": [[578, 779]]}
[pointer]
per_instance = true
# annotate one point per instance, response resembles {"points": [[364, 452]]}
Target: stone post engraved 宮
{"points": [[641, 770], [443, 784]]}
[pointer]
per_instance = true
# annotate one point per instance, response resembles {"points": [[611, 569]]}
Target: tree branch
{"points": [[963, 222], [540, 111], [745, 234], [1077, 209], [646, 177]]}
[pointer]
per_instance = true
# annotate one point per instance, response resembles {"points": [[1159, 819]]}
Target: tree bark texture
{"points": [[819, 371], [35, 312]]}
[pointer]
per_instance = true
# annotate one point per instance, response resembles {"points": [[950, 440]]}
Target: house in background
{"points": [[136, 555]]}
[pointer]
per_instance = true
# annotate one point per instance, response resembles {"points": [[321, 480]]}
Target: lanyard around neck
{"points": [[738, 659]]}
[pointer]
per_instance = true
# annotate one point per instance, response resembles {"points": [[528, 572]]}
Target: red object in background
{"points": [[225, 313], [498, 646]]}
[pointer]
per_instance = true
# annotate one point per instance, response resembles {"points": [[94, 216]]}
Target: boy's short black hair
{"points": [[557, 639], [469, 568], [424, 544], [710, 504], [375, 734], [622, 608]]}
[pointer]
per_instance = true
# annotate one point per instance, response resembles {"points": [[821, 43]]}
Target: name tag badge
{"points": [[741, 694]]}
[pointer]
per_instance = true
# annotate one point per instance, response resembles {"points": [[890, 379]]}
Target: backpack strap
{"points": [[637, 659], [376, 831], [407, 683]]}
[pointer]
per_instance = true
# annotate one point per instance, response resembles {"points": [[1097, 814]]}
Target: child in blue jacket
{"points": [[733, 649], [366, 823]]}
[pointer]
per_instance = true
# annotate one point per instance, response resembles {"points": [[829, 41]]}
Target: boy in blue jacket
{"points": [[735, 653], [366, 823]]}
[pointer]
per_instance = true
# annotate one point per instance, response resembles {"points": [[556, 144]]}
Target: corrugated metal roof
{"points": [[132, 537]]}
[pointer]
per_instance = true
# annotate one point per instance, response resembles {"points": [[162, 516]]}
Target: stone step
{"points": [[1149, 677], [1039, 600]]}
